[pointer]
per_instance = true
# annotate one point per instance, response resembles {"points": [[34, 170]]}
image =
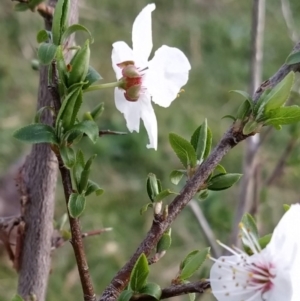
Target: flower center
{"points": [[131, 81]]}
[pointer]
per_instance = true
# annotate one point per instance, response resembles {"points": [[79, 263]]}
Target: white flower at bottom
{"points": [[271, 274], [141, 81]]}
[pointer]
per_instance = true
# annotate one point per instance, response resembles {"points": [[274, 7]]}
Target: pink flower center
{"points": [[131, 81]]}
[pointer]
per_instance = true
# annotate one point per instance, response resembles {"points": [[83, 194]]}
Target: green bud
{"points": [[98, 110], [79, 65], [152, 186]]}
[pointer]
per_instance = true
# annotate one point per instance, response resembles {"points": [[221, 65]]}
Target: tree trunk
{"points": [[37, 186]]}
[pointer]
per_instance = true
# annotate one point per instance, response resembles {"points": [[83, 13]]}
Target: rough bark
{"points": [[37, 186]]}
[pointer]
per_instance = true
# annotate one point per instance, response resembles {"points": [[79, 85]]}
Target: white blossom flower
{"points": [[271, 274], [159, 79]]}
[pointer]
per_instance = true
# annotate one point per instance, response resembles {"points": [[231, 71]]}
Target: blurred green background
{"points": [[215, 36]]}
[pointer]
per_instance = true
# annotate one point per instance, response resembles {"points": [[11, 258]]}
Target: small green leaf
{"points": [[42, 36], [84, 177], [198, 140], [229, 117], [163, 194], [280, 93], [76, 204], [284, 115], [17, 298], [176, 175], [192, 296], [97, 111], [165, 242], [68, 156], [145, 208], [60, 19], [78, 167], [37, 118], [139, 274], [264, 241], [74, 28], [125, 295], [243, 110], [293, 58], [193, 262], [220, 168], [93, 187], [250, 127], [259, 107], [87, 127], [46, 53], [204, 194], [184, 150], [151, 289], [243, 94], [223, 181], [152, 186], [36, 133], [21, 7], [91, 77]]}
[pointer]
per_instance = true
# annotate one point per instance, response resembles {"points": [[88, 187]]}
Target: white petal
{"points": [[121, 53], [227, 286], [168, 72], [131, 110], [149, 119], [142, 36]]}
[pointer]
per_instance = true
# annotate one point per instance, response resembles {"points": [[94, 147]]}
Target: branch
{"points": [[109, 132], [77, 239], [177, 290], [160, 224], [206, 229]]}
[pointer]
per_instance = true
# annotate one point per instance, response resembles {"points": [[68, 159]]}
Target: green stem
{"points": [[103, 86]]}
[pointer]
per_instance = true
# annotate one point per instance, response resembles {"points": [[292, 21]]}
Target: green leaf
{"points": [[184, 150], [284, 115], [152, 186], [46, 53], [97, 111], [74, 28], [163, 194], [36, 133], [223, 181], [192, 296], [145, 208], [176, 176], [60, 19], [42, 36], [286, 207], [33, 3], [208, 143], [78, 167], [193, 262], [125, 295], [17, 298], [87, 127], [68, 156], [204, 194], [165, 242], [76, 204], [220, 168], [151, 289], [198, 140], [93, 187], [21, 7], [243, 94], [69, 108], [251, 127], [91, 77], [62, 71], [259, 107], [84, 177], [139, 274], [280, 93], [229, 117], [264, 241], [293, 58], [243, 110]]}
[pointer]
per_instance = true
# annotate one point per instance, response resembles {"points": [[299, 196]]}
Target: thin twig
{"points": [[205, 227], [281, 162], [109, 132], [76, 241], [247, 196], [177, 290], [230, 139]]}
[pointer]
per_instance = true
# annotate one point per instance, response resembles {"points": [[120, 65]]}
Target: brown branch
{"points": [[230, 139], [177, 290]]}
